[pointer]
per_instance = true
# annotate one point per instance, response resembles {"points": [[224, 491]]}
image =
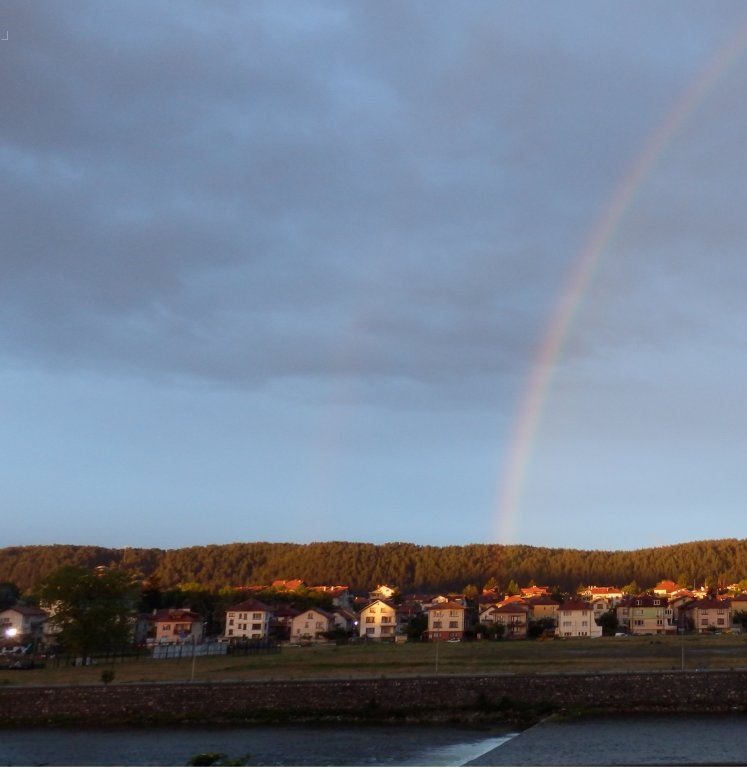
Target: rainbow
{"points": [[581, 273]]}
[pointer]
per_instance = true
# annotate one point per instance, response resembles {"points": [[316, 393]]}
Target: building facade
{"points": [[378, 621], [248, 620]]}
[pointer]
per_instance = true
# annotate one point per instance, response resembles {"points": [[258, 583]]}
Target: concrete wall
{"points": [[204, 702]]}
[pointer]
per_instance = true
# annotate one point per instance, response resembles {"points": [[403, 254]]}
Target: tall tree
{"points": [[9, 594], [92, 609]]}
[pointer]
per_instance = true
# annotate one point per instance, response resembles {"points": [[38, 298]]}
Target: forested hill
{"points": [[408, 566]]}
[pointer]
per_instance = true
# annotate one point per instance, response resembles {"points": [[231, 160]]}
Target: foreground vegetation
{"points": [[607, 654]]}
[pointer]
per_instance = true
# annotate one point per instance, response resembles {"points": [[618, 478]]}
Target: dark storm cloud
{"points": [[252, 191]]}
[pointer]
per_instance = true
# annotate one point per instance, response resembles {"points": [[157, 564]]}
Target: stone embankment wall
{"points": [[382, 697]]}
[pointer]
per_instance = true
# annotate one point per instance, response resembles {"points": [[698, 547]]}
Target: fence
{"points": [[164, 652]]}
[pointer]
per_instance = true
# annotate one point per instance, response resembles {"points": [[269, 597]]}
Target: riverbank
{"points": [[373, 660], [519, 699]]}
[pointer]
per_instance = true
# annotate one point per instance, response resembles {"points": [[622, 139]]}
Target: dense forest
{"points": [[411, 567]]}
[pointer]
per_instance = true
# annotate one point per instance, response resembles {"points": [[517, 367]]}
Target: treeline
{"points": [[411, 567]]}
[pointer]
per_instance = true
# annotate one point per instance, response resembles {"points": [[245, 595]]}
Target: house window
{"points": [[370, 619], [257, 626], [453, 624], [386, 619], [256, 616], [230, 622], [436, 625], [166, 627], [370, 631]]}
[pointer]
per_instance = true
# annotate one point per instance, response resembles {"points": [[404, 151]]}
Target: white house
{"points": [[22, 624], [382, 592], [576, 619], [175, 625], [446, 621], [378, 621], [311, 625], [248, 620]]}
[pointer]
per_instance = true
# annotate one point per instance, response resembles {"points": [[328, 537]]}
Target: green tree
{"points": [[608, 622], [539, 627], [740, 617], [512, 588], [9, 594], [490, 585], [92, 609], [416, 626], [471, 592]]}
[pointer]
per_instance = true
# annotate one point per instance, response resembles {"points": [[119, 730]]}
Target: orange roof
{"points": [[510, 608], [666, 586], [512, 599], [291, 585], [440, 606], [175, 615], [530, 591]]}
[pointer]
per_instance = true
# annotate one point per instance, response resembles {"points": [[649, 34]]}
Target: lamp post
{"points": [[194, 656]]}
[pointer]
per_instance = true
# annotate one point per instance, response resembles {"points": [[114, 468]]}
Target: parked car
{"points": [[13, 650]]}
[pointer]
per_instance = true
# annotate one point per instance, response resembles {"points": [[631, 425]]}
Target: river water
{"points": [[270, 746], [604, 741], [719, 740]]}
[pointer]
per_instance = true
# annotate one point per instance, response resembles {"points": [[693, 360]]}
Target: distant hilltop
{"points": [[412, 567]]}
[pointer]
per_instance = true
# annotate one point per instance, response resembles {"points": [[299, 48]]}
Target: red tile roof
{"points": [[447, 605], [511, 608], [574, 605], [249, 605], [174, 615], [291, 585]]}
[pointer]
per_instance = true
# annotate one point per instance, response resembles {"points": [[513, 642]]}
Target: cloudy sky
{"points": [[284, 271]]}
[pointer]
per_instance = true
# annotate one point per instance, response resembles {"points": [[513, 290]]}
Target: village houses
{"points": [[24, 623], [174, 625], [248, 620], [447, 620], [576, 619], [533, 612], [378, 620], [646, 615]]}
